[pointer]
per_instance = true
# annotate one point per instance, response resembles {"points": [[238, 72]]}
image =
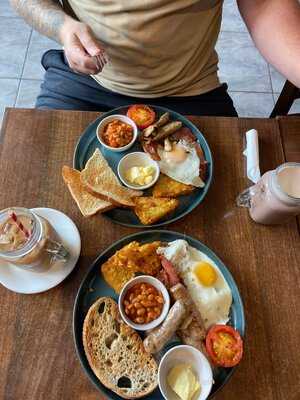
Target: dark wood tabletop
{"points": [[290, 133], [37, 354]]}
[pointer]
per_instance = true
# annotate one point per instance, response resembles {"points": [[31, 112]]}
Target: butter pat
{"points": [[183, 381], [140, 175]]}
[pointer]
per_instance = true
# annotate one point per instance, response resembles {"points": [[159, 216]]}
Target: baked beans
{"points": [[143, 303], [117, 133]]}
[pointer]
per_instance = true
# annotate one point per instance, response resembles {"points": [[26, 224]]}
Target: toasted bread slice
{"points": [[132, 259], [87, 203], [115, 352], [168, 187], [150, 209], [99, 178]]}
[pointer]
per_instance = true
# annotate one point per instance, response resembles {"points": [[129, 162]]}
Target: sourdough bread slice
{"points": [[115, 352], [87, 203], [99, 178]]}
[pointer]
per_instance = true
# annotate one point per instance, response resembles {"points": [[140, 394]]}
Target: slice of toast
{"points": [[87, 203], [99, 178], [150, 209], [115, 352], [168, 187]]}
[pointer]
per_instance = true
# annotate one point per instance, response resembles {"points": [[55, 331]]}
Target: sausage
{"points": [[167, 130], [192, 331], [156, 340], [163, 120], [151, 129], [179, 292]]}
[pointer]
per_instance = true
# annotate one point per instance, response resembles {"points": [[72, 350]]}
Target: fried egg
{"points": [[181, 163], [203, 279]]}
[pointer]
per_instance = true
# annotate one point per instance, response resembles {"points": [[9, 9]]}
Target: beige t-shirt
{"points": [[155, 47]]}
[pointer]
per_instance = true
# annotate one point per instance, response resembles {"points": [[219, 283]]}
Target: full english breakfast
{"points": [[172, 147], [198, 316]]}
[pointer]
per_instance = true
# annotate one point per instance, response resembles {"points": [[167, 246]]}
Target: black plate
{"points": [[88, 142], [94, 286]]}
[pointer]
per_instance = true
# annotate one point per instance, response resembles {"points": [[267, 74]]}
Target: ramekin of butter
{"points": [[184, 373], [137, 170]]}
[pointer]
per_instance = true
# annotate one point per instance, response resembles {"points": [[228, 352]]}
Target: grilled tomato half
{"points": [[142, 115], [224, 345]]}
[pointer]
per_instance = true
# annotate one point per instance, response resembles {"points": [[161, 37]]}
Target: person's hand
{"points": [[83, 51]]}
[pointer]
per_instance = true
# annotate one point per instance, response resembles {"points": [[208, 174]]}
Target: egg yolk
{"points": [[205, 273], [177, 155]]}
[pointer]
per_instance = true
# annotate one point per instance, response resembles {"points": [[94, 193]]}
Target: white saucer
{"points": [[29, 281]]}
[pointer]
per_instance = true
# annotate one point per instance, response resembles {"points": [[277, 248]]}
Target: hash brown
{"points": [[132, 259], [168, 187], [150, 209]]}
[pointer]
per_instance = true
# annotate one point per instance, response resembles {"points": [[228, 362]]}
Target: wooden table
{"points": [[37, 355], [290, 134]]}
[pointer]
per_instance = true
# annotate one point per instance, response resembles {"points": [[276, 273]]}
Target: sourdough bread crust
{"points": [[115, 352]]}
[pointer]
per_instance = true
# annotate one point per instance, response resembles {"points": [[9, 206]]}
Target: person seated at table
{"points": [[159, 52]]}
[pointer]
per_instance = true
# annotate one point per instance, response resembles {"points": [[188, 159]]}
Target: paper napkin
{"points": [[252, 154]]}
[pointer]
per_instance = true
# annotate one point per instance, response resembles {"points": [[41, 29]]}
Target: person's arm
{"points": [[78, 40], [275, 29]]}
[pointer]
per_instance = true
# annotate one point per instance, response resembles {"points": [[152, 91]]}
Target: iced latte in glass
{"points": [[28, 240]]}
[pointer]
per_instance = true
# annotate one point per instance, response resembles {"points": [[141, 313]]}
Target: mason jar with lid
{"points": [[28, 240], [275, 198]]}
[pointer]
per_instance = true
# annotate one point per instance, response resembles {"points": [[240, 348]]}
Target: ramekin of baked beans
{"points": [[117, 132], [144, 302]]}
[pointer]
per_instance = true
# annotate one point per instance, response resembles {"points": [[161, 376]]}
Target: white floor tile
{"points": [[8, 94], [241, 65], [38, 46], [14, 34], [253, 104], [28, 91], [278, 80], [231, 18], [6, 9]]}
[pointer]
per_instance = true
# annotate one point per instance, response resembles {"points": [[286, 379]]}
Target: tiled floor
{"points": [[253, 84]]}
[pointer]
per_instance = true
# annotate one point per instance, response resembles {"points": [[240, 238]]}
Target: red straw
{"points": [[19, 224]]}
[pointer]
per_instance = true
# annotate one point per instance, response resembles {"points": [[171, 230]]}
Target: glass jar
{"points": [[28, 240], [275, 198]]}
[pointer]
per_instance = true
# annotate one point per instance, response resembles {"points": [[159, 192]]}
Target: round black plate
{"points": [[88, 142], [94, 286]]}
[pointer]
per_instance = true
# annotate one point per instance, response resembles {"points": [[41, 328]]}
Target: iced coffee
{"points": [[28, 240]]}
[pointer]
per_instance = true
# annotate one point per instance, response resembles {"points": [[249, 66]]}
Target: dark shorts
{"points": [[64, 89]]}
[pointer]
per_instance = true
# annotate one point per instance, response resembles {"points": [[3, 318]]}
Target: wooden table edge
{"points": [[281, 119]]}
